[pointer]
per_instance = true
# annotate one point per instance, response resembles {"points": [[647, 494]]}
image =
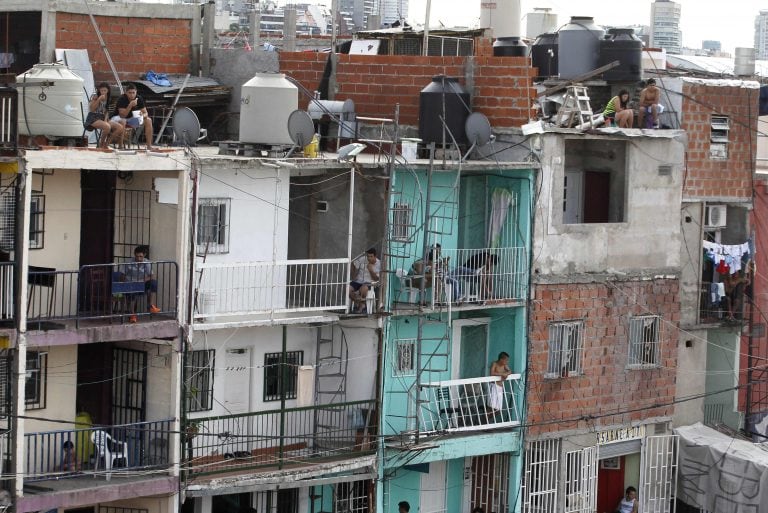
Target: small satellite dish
{"points": [[478, 129], [301, 128], [186, 127]]}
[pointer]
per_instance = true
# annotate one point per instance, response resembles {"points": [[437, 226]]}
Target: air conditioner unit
{"points": [[715, 216]]}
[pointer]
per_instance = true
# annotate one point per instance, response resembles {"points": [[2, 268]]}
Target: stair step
{"points": [[330, 375], [328, 392]]}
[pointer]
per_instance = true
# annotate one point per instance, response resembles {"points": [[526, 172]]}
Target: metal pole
{"points": [[750, 354], [104, 46], [173, 107], [334, 16], [283, 381], [349, 228], [426, 28]]}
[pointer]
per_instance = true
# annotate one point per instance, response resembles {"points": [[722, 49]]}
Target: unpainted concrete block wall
{"points": [[606, 393], [726, 178], [135, 45]]}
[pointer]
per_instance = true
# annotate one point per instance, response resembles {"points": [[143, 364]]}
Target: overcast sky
{"points": [[730, 22]]}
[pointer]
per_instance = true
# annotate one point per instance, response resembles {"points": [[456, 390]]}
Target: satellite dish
{"points": [[186, 127], [300, 128], [478, 129]]}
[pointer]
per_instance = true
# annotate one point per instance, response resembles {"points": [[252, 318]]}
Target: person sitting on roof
{"points": [[617, 111], [649, 103], [132, 112]]}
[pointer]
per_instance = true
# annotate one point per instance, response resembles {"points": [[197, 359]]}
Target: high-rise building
{"points": [[665, 26], [761, 35], [393, 10], [359, 10]]}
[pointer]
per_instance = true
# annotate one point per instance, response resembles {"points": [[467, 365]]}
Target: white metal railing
{"points": [[6, 290], [285, 286], [478, 276], [470, 404]]}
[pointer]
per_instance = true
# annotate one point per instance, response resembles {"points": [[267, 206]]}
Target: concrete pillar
{"points": [[254, 23], [48, 32], [374, 22], [209, 15], [289, 29], [195, 44]]}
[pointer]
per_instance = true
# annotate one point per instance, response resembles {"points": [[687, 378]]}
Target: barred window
{"points": [[37, 222], [199, 372], [402, 222], [36, 387], [566, 344], [213, 216], [8, 221], [276, 375], [644, 341], [405, 357]]}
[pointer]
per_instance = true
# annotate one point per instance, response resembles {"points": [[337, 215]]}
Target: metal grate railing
{"points": [[6, 291], [8, 118], [540, 480], [644, 341]]}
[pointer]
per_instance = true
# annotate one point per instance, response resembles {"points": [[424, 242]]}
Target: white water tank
{"points": [[52, 110], [744, 63], [541, 21], [266, 101], [502, 17]]}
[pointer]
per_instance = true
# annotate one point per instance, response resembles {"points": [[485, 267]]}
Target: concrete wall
{"points": [[649, 237], [62, 221], [605, 384], [62, 383]]}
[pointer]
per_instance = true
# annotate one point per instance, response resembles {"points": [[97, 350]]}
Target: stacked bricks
{"points": [[135, 45], [607, 392], [731, 177]]}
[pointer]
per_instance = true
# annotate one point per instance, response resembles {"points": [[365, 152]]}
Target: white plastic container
{"points": [[56, 110], [266, 101]]}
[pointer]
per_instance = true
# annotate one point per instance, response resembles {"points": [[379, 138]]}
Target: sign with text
{"points": [[621, 434]]}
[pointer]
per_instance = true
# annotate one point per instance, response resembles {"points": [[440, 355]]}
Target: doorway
{"points": [[469, 353], [432, 495]]}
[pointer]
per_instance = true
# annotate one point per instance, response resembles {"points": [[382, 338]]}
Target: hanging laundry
{"points": [[728, 258]]}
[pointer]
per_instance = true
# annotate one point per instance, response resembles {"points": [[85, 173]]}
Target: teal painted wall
{"points": [[722, 352]]}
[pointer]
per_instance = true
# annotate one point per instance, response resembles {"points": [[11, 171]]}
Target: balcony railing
{"points": [[105, 291], [272, 287], [470, 404], [275, 438], [466, 276], [68, 453], [6, 292]]}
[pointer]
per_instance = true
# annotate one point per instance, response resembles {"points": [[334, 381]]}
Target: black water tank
{"points": [[544, 54], [457, 103], [509, 47], [621, 44]]}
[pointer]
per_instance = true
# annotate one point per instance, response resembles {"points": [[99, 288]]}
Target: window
{"points": [[566, 343], [644, 341], [405, 361], [37, 380], [213, 216], [352, 497], [594, 181], [718, 137], [276, 375], [8, 221], [200, 365], [402, 222]]}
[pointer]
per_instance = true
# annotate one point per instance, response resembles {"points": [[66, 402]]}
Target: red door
{"points": [[597, 197], [610, 484]]}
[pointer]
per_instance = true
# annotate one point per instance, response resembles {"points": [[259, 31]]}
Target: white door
{"points": [[573, 197], [432, 497], [581, 481], [658, 474], [237, 383]]}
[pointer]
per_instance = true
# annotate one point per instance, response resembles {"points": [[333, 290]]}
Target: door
{"points": [[490, 482], [97, 210], [129, 386], [610, 483], [469, 355], [581, 481], [573, 197], [432, 496], [658, 474], [235, 400], [597, 193], [94, 381]]}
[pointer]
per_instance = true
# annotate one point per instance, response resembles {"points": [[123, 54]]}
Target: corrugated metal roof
{"points": [[713, 65]]}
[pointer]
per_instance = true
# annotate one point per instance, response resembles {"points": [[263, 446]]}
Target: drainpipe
{"points": [[283, 382]]}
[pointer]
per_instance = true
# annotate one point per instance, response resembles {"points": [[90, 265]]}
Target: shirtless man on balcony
{"points": [[499, 368], [365, 272]]}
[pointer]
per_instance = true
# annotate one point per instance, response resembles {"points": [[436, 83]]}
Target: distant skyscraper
{"points": [[360, 10], [711, 45], [761, 36], [393, 10], [665, 26]]}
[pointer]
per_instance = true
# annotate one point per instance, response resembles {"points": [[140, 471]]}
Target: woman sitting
{"points": [[617, 112], [97, 117]]}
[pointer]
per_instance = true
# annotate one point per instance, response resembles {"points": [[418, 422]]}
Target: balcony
{"points": [[278, 438], [98, 293], [457, 283], [463, 405], [266, 288], [123, 449]]}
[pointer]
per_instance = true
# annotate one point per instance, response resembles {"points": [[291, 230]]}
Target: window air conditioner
{"points": [[714, 216]]}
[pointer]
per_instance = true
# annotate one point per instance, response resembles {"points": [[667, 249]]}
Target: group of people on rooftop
{"points": [[129, 112], [618, 111]]}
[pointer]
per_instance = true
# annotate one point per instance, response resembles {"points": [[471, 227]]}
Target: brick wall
{"points": [[502, 85], [707, 177], [135, 45], [605, 386]]}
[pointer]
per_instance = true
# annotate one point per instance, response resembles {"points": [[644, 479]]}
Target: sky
{"points": [[730, 22]]}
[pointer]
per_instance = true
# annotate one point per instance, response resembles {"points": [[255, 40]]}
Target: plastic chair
{"points": [[406, 285], [109, 449]]}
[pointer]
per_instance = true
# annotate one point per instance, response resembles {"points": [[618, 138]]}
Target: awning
{"points": [[720, 473]]}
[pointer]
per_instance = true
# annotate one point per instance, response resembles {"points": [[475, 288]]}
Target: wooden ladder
{"points": [[576, 108]]}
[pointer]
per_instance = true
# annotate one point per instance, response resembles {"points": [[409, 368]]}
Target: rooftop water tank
{"points": [[502, 17], [579, 47], [52, 110], [509, 47], [744, 62], [266, 101], [544, 54], [457, 101], [621, 44], [540, 21]]}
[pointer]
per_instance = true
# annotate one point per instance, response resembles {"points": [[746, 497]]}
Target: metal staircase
{"points": [[332, 359]]}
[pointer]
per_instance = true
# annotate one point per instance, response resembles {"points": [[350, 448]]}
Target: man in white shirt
{"points": [[365, 271]]}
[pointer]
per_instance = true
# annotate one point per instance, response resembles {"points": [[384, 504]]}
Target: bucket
{"points": [[310, 150]]}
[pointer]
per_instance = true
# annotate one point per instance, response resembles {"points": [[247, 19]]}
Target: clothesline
{"points": [[729, 258]]}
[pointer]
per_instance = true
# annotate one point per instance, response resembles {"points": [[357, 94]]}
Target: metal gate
{"points": [[129, 386], [540, 480], [132, 222], [490, 482], [581, 481], [658, 474]]}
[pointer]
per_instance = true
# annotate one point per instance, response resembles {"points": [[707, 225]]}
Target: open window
{"points": [[595, 181], [566, 342]]}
